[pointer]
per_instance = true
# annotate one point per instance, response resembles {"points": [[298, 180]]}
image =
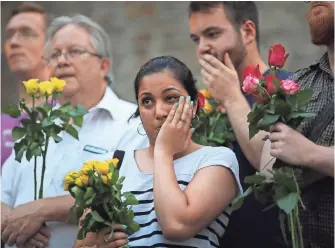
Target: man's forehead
{"points": [[32, 20], [200, 21]]}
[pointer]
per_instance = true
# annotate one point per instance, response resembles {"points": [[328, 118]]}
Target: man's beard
{"points": [[321, 27]]}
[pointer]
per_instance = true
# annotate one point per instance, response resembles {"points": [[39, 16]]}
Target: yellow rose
{"points": [[46, 88], [114, 161], [79, 183], [31, 86], [75, 174], [206, 94], [66, 187], [58, 84], [104, 179], [208, 108], [102, 168], [109, 175], [69, 179], [87, 167], [84, 179]]}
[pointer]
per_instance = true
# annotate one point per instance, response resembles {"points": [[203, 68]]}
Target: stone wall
{"points": [[142, 30]]}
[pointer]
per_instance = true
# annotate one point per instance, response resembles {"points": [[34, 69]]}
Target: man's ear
{"points": [[105, 66], [248, 32]]}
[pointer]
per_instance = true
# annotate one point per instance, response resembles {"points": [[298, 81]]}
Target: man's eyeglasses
{"points": [[71, 55]]}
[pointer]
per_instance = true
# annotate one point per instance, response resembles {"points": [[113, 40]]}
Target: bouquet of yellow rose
{"points": [[214, 128], [42, 123], [97, 187]]}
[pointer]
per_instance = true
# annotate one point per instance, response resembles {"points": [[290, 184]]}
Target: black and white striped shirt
{"points": [[141, 185]]}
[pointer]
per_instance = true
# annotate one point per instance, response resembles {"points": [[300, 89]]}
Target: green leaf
{"points": [[29, 154], [54, 135], [89, 201], [133, 227], [47, 123], [282, 108], [80, 110], [292, 101], [267, 121], [26, 122], [78, 121], [42, 111], [253, 130], [65, 117], [287, 203], [36, 151], [89, 193], [18, 133], [254, 179], [238, 201], [46, 106], [303, 97], [115, 177], [12, 110], [20, 148], [78, 195], [55, 114], [285, 180], [130, 198], [97, 217], [300, 114], [71, 130]]}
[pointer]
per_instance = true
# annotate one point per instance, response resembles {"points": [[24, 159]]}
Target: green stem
{"points": [[211, 134], [35, 178], [292, 230], [299, 227], [35, 158], [44, 154]]}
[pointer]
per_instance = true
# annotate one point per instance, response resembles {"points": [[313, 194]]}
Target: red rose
{"points": [[201, 100], [270, 87], [289, 86], [252, 71], [277, 56], [250, 84]]}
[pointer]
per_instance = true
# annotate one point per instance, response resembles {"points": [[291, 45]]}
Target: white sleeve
{"points": [[9, 179], [222, 156]]}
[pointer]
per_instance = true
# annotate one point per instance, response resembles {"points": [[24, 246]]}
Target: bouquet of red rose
{"points": [[276, 101]]}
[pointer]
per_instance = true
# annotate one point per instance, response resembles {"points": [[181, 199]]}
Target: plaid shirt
{"points": [[319, 78], [317, 219]]}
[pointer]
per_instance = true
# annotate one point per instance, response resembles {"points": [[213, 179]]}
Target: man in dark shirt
{"points": [[219, 29]]}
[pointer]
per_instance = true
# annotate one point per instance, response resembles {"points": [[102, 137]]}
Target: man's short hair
{"points": [[238, 12], [30, 7]]}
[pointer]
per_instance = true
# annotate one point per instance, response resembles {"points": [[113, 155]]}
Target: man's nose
{"points": [[62, 60], [204, 47]]}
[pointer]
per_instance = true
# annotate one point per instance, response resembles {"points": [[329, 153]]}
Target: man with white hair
{"points": [[79, 51]]}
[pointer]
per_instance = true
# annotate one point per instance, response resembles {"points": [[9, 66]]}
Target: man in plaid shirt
{"points": [[313, 148]]}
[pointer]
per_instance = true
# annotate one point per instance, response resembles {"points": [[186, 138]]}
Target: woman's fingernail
{"points": [[124, 226], [188, 98], [182, 98], [191, 103], [176, 104]]}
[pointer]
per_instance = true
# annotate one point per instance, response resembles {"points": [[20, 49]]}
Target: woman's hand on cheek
{"points": [[175, 134]]}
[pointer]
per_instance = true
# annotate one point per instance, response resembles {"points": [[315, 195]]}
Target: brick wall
{"points": [[142, 30]]}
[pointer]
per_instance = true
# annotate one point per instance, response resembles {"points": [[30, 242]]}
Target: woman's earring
{"points": [[139, 131]]}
